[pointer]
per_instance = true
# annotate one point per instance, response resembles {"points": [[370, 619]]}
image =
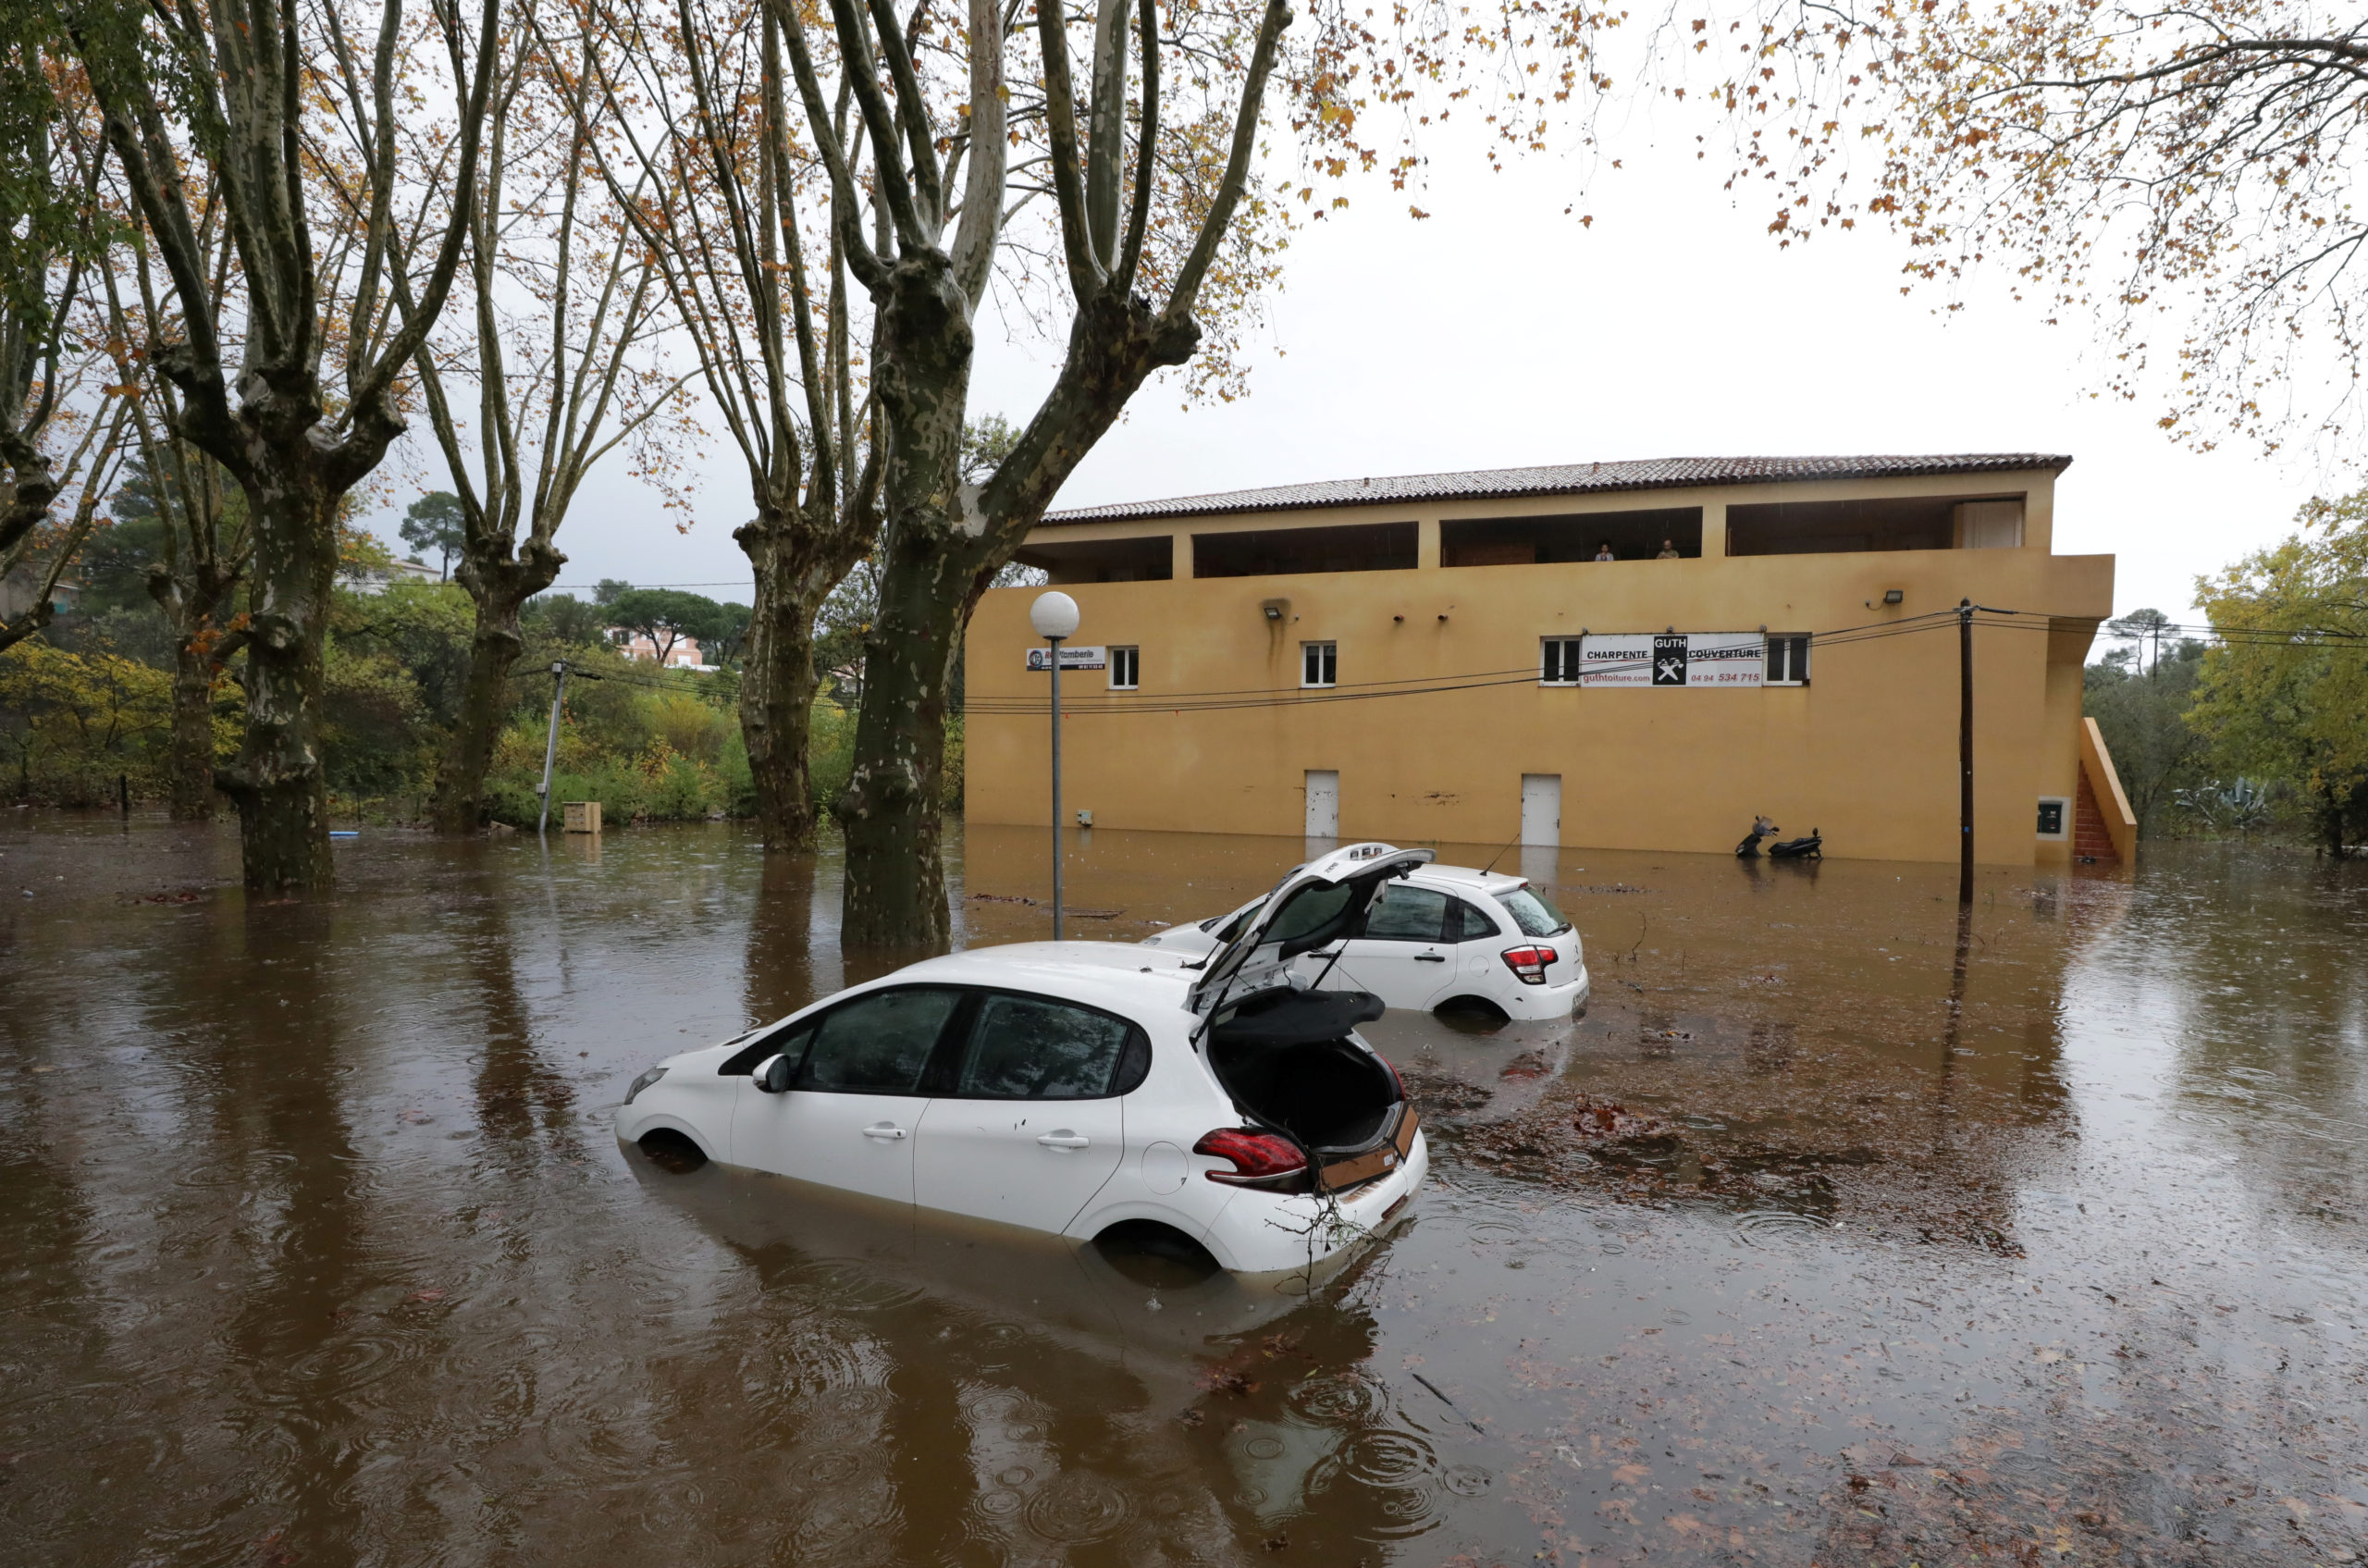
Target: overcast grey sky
{"points": [[1501, 333]]}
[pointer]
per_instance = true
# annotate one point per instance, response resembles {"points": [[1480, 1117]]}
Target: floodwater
{"points": [[1835, 1233]]}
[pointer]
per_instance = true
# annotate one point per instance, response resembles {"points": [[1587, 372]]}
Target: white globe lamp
{"points": [[1054, 616]]}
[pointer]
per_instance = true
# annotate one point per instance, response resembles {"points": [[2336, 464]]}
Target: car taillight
{"points": [[1529, 963], [1393, 1074], [1259, 1158]]}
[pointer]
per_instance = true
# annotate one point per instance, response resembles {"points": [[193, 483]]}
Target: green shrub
{"points": [[830, 754], [72, 724], [679, 788]]}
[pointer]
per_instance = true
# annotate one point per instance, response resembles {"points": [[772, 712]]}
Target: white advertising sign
{"points": [[1040, 659], [1674, 659]]}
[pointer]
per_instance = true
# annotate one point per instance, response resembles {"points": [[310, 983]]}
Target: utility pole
{"points": [[1964, 751], [550, 746], [1054, 616]]}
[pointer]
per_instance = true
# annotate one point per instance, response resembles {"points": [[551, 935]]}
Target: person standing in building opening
{"points": [[1603, 551], [1669, 551]]}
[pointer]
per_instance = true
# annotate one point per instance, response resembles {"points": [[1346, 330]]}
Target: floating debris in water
{"points": [[1603, 1118]]}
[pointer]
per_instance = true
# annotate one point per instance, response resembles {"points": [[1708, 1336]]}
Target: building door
{"points": [[1323, 803], [1541, 808]]}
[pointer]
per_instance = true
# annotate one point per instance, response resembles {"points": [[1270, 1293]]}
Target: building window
{"points": [[1558, 663], [1788, 658], [1319, 663], [1125, 668]]}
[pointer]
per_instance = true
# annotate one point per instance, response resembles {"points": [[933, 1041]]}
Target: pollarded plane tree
{"points": [[564, 350], [287, 111], [716, 170], [61, 380], [987, 157]]}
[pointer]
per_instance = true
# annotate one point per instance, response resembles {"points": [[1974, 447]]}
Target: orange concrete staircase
{"points": [[2105, 830]]}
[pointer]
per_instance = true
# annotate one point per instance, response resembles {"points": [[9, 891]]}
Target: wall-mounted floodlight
{"points": [[1892, 596], [1275, 609]]}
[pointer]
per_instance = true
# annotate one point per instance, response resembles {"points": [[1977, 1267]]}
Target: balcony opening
{"points": [[1529, 541], [1103, 561], [1262, 552], [1821, 527]]}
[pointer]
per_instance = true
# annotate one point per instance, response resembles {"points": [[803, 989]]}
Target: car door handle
{"points": [[1063, 1140], [1430, 957], [886, 1131]]}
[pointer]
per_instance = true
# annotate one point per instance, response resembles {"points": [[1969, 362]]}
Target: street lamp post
{"points": [[550, 746], [1054, 616]]}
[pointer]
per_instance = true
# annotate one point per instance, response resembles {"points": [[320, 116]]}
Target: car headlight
{"points": [[644, 1081]]}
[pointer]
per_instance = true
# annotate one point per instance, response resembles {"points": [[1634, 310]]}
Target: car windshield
{"points": [[1534, 915]]}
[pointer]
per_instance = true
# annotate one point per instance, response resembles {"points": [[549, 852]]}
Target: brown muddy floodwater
{"points": [[2045, 1246]]}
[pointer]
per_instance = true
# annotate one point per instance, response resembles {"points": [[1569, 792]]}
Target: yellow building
{"points": [[1447, 657]]}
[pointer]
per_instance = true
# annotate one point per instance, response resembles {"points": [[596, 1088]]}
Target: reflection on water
{"points": [[1838, 1230]]}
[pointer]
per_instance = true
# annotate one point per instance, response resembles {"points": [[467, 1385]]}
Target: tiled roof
{"points": [[1562, 480]]}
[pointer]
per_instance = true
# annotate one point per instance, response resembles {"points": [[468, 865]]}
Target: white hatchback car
{"points": [[1073, 1086], [1440, 935]]}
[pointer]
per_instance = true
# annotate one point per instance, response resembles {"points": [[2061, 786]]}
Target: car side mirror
{"points": [[773, 1074]]}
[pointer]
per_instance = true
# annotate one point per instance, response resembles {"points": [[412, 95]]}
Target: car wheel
{"points": [[672, 1151]]}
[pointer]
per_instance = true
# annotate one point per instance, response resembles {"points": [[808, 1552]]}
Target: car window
{"points": [[1405, 913], [878, 1044], [1534, 915], [1472, 923], [1233, 922], [1311, 909], [1031, 1048], [788, 1040]]}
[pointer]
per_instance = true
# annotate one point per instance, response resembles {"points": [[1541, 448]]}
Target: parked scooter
{"points": [[1812, 847]]}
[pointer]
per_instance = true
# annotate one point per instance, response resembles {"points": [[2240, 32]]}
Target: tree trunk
{"points": [[190, 760], [192, 601], [460, 783], [777, 680], [279, 782], [892, 810], [945, 548], [777, 690], [499, 586], [896, 881]]}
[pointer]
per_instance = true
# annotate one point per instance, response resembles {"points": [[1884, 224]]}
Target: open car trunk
{"points": [[1287, 1059]]}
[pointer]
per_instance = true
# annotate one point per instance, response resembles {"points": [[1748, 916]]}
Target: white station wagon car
{"points": [[1441, 935], [1070, 1087]]}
